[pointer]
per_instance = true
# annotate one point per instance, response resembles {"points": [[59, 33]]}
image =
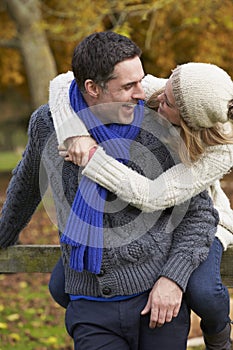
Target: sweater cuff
{"points": [[101, 169], [179, 270]]}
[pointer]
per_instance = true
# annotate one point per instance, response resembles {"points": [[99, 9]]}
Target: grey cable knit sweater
{"points": [[139, 247]]}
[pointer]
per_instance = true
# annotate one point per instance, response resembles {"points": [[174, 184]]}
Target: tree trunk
{"points": [[38, 59]]}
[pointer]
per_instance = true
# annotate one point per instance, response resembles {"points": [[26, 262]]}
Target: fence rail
{"points": [[29, 258], [227, 267], [42, 258]]}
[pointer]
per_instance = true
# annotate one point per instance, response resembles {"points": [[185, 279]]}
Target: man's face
{"points": [[115, 103]]}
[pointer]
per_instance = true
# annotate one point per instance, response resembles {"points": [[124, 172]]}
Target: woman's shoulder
{"points": [[222, 152], [216, 161]]}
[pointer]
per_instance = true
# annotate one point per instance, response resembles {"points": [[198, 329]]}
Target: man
{"points": [[115, 258]]}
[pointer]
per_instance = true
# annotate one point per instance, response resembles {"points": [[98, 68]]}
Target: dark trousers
{"points": [[118, 325], [205, 293]]}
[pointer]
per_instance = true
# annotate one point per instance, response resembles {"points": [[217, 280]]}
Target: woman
{"points": [[198, 98]]}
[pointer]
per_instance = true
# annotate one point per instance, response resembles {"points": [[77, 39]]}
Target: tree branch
{"points": [[10, 44]]}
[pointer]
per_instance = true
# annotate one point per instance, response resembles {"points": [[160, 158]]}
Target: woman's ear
{"points": [[92, 89]]}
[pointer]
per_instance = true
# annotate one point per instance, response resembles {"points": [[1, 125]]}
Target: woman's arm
{"points": [[66, 122], [173, 187], [150, 84]]}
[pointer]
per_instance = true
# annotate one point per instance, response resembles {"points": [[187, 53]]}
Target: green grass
{"points": [[29, 318], [8, 160]]}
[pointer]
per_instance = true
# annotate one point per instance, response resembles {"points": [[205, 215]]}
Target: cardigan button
{"points": [[106, 290], [101, 273]]}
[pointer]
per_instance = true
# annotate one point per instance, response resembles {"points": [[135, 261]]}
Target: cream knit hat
{"points": [[202, 93]]}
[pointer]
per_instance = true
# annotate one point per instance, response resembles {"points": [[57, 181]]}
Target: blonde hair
{"points": [[195, 142]]}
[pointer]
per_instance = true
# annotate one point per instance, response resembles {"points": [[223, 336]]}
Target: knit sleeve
{"points": [[66, 121], [24, 190], [152, 84], [192, 238], [173, 187], [222, 204]]}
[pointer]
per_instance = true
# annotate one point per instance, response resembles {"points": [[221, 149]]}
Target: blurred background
{"points": [[37, 39]]}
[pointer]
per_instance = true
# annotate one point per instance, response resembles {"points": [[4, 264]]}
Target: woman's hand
{"points": [[78, 149]]}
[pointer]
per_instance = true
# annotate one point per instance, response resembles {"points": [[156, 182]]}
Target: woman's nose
{"points": [[160, 97]]}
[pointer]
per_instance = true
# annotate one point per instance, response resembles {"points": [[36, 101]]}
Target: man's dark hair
{"points": [[96, 56]]}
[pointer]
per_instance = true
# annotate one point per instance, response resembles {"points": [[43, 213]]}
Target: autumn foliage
{"points": [[170, 32]]}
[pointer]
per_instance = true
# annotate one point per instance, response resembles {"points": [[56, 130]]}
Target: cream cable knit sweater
{"points": [[172, 187]]}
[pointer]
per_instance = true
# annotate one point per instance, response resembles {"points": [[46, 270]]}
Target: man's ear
{"points": [[92, 89]]}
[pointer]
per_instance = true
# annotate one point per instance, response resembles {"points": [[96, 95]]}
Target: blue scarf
{"points": [[84, 228]]}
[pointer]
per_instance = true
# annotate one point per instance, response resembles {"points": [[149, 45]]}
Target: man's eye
{"points": [[128, 87]]}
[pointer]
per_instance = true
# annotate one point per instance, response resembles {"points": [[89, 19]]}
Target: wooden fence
{"points": [[29, 258], [42, 258]]}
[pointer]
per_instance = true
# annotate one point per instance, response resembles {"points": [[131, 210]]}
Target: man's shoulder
{"points": [[41, 118], [41, 126], [42, 112]]}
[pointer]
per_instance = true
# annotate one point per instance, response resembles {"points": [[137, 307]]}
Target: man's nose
{"points": [[138, 92]]}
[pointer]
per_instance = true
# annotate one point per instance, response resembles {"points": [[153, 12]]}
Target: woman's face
{"points": [[167, 106]]}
